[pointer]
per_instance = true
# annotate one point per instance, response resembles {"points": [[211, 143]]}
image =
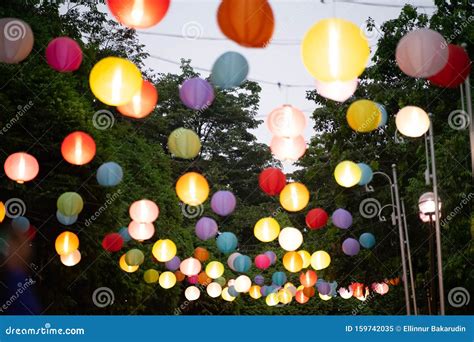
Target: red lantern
{"points": [[316, 218], [21, 167], [78, 148], [272, 181], [357, 289], [309, 292], [112, 242], [308, 278], [301, 297], [456, 69], [142, 104], [139, 13], [31, 233], [262, 261]]}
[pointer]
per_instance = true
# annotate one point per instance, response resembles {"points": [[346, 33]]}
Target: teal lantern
{"points": [[65, 220], [109, 174], [279, 278], [242, 263], [367, 240], [367, 174], [226, 242], [70, 203], [229, 70], [125, 235]]}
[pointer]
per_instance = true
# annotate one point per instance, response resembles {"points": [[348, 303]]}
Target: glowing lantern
{"points": [[184, 143], [335, 50], [293, 262], [242, 284], [192, 293], [288, 149], [309, 292], [286, 121], [206, 228], [347, 174], [78, 148], [63, 54], [134, 257], [151, 276], [279, 278], [323, 287], [223, 203], [196, 93], [266, 229], [16, 40], [367, 240], [227, 242], [72, 258], [325, 297], [345, 293], [226, 296], [70, 204], [192, 188], [308, 278], [364, 116], [290, 239], [112, 242], [456, 69], [294, 197], [231, 259], [214, 269], [229, 70], [173, 264], [350, 247], [21, 167], [284, 296], [3, 211], [306, 257], [272, 299], [190, 267], [380, 288], [262, 262], [142, 103], [357, 289], [193, 279], [167, 280], [201, 254], [341, 218], [66, 242], [272, 181], [114, 81], [412, 121], [272, 256], [254, 292], [109, 174], [20, 224], [179, 276], [316, 218], [141, 231], [165, 250], [422, 53], [242, 263], [320, 260], [367, 174], [300, 297], [144, 211], [338, 91], [138, 14], [214, 290], [124, 266]]}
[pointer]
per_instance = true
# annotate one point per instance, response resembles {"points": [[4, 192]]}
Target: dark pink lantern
{"points": [[63, 54], [262, 261]]}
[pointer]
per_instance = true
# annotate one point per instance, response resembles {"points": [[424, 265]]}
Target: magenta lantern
{"points": [[196, 93], [223, 203], [64, 54], [262, 261], [206, 228]]}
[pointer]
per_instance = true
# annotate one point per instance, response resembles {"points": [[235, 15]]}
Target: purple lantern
{"points": [[272, 256], [324, 288], [206, 228], [350, 246], [173, 264], [259, 279], [196, 93], [341, 218], [223, 203]]}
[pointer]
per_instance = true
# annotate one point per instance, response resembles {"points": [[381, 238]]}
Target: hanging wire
{"points": [[378, 4]]}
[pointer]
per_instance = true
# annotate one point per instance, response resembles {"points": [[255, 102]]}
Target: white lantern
{"points": [[141, 231], [192, 293], [290, 239], [412, 121], [286, 121], [71, 259], [242, 284], [338, 91], [190, 267], [290, 149], [214, 290]]}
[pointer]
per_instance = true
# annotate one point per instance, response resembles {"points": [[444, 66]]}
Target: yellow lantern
{"points": [[226, 296], [254, 292], [412, 121], [320, 260], [114, 81], [71, 259], [306, 257], [284, 296], [151, 276], [192, 188], [2, 212], [242, 284], [184, 143], [294, 197], [214, 269], [164, 250], [290, 239], [347, 174], [293, 262], [123, 265], [214, 290], [324, 297], [266, 229], [364, 116], [66, 242], [272, 299], [167, 280], [335, 50]]}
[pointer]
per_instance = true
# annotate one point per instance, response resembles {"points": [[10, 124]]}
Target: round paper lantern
{"points": [[71, 259], [184, 143], [215, 269], [294, 197], [167, 280], [151, 276], [300, 297], [70, 204], [254, 292], [363, 116], [143, 102], [192, 188], [65, 220], [309, 292], [272, 181], [203, 279], [262, 262], [367, 240], [288, 149], [293, 262], [63, 54], [306, 257], [347, 174], [109, 174], [141, 231], [190, 267], [259, 279], [380, 288], [223, 203], [196, 93], [242, 263], [21, 167], [266, 229], [193, 279], [384, 113], [20, 224], [345, 293], [179, 276], [320, 260], [125, 235], [249, 23], [3, 211], [206, 228], [286, 121], [357, 289], [290, 287], [339, 91], [214, 290], [341, 218], [16, 40], [144, 211], [114, 81], [124, 266], [78, 148], [227, 242], [335, 50], [173, 264], [272, 299], [226, 296], [192, 293], [66, 242], [272, 256], [412, 121], [201, 254], [229, 70], [367, 174], [138, 14], [422, 53], [456, 69], [242, 284], [165, 250], [221, 281], [284, 296], [325, 297], [323, 287], [231, 259], [308, 278], [316, 218], [350, 247], [290, 239], [279, 278], [232, 291], [134, 257], [112, 242]]}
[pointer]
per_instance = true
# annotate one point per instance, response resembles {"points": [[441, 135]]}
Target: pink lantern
{"points": [[144, 211], [422, 53], [141, 231], [380, 288], [190, 267], [338, 91], [286, 121], [21, 167], [345, 293], [63, 54], [288, 148], [262, 261]]}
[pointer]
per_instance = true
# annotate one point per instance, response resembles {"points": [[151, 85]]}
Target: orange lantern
{"points": [[78, 148], [249, 23], [21, 167], [142, 103], [300, 297], [139, 13], [308, 278], [66, 243], [203, 279], [201, 254], [179, 276], [309, 292], [293, 262], [357, 289]]}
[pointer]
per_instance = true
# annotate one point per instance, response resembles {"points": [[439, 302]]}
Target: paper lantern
{"points": [[141, 231], [179, 276], [308, 278], [192, 188], [422, 53], [309, 292], [380, 288], [339, 91], [290, 239], [138, 14], [259, 279], [66, 242], [286, 121], [231, 259], [249, 23], [456, 69], [201, 254], [134, 257], [306, 257], [66, 220], [272, 181], [16, 40], [335, 50], [364, 116], [192, 293], [203, 279], [215, 269], [184, 143], [242, 263], [227, 242], [167, 280], [384, 113], [21, 167], [78, 148], [367, 240], [196, 93], [232, 291], [3, 211], [230, 70], [190, 266], [300, 297], [173, 264], [350, 247], [341, 218], [142, 103], [164, 250], [114, 81], [367, 174], [254, 292], [64, 54], [125, 235], [266, 229], [144, 211], [242, 284], [214, 290], [226, 296], [316, 218], [151, 276], [262, 262], [320, 260], [223, 203], [357, 289], [294, 197], [284, 296], [124, 266], [345, 293], [272, 256], [325, 297], [112, 242], [412, 121], [290, 287], [293, 262], [109, 174], [323, 288], [206, 228], [20, 224], [347, 174], [70, 204], [272, 299], [288, 149], [71, 259]]}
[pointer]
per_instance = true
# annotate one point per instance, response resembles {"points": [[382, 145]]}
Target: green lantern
{"points": [[70, 204], [134, 257], [184, 143]]}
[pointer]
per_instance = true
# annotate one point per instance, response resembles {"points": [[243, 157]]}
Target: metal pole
{"points": [[402, 240], [410, 267], [433, 301], [467, 89]]}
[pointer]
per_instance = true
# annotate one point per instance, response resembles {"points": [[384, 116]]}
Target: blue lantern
{"points": [[384, 113], [232, 291], [242, 263], [367, 240], [367, 174], [21, 224], [279, 278], [125, 235], [109, 174], [229, 70], [66, 220], [227, 242]]}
